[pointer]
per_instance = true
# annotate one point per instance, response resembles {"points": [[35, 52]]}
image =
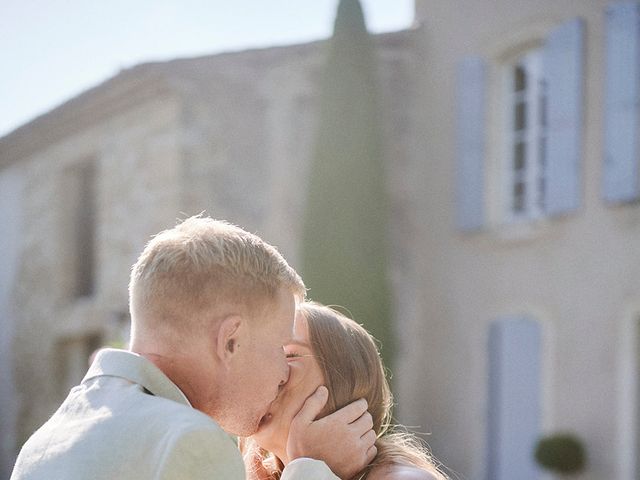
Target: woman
{"points": [[330, 349]]}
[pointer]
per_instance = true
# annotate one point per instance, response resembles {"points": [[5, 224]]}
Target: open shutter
{"points": [[470, 143], [563, 72], [621, 179]]}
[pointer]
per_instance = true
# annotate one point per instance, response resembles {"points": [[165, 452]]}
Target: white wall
{"points": [[575, 274]]}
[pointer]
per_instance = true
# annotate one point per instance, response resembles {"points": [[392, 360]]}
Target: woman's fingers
{"points": [[312, 406], [351, 412]]}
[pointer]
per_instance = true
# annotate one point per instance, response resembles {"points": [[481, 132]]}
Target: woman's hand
{"points": [[344, 440]]}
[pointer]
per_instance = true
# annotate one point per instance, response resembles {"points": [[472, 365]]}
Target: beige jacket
{"points": [[128, 421]]}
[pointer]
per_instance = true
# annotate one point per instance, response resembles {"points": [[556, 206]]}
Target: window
{"points": [[526, 138], [72, 355], [81, 192], [540, 169]]}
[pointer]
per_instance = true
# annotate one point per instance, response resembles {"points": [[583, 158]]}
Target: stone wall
{"points": [[229, 134], [12, 218], [136, 161]]}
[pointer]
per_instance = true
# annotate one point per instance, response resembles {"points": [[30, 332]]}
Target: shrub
{"points": [[561, 453]]}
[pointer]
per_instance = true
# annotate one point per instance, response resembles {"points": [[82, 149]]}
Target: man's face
{"points": [[305, 376], [260, 366]]}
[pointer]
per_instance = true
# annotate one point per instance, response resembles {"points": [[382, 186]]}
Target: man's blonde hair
{"points": [[184, 271]]}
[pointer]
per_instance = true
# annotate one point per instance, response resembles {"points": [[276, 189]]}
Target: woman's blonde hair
{"points": [[352, 369]]}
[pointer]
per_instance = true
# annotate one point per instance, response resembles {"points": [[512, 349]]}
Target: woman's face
{"points": [[305, 376]]}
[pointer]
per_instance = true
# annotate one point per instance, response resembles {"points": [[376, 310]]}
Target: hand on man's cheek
{"points": [[344, 440]]}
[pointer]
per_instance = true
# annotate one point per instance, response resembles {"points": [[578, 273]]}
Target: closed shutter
{"points": [[514, 398], [622, 99], [470, 143], [563, 72]]}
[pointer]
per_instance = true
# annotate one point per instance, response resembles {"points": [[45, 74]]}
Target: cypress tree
{"points": [[345, 257]]}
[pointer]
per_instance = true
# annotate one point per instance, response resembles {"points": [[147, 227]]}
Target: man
{"points": [[211, 308]]}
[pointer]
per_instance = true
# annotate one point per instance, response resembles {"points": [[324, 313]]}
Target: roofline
{"points": [[117, 94], [129, 87]]}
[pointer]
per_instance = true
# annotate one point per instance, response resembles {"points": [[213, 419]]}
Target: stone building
{"points": [[511, 139], [84, 186]]}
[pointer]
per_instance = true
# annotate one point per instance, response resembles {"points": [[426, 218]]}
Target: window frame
{"points": [[532, 137]]}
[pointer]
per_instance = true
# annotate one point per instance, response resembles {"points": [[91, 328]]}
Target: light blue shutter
{"points": [[563, 72], [470, 143], [622, 98], [514, 398]]}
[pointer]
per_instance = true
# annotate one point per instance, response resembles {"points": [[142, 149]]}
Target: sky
{"points": [[52, 50]]}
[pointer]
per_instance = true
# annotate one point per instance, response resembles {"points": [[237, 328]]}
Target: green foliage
{"points": [[345, 249], [121, 344], [561, 453]]}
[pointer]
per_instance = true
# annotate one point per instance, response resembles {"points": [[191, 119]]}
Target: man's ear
{"points": [[228, 339]]}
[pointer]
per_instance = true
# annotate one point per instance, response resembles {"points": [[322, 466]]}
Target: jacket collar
{"points": [[137, 369]]}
